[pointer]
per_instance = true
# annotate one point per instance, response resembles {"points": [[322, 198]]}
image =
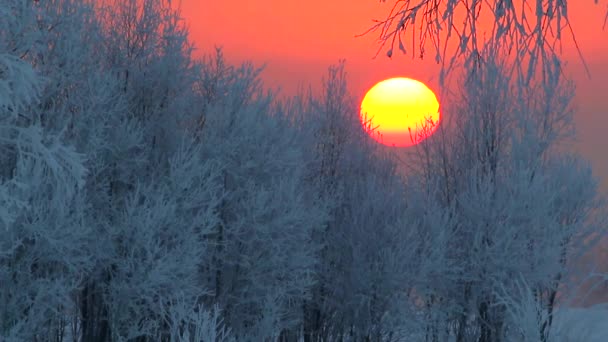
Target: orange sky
{"points": [[299, 39]]}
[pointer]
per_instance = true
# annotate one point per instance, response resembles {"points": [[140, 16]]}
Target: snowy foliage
{"points": [[519, 206], [262, 250], [367, 246], [149, 196]]}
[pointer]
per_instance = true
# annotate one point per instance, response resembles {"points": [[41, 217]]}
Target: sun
{"points": [[400, 112]]}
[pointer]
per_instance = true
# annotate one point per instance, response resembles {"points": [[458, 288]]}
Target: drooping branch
{"points": [[531, 30]]}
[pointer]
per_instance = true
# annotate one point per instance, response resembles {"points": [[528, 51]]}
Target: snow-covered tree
{"points": [[42, 249], [147, 51], [367, 246], [263, 256], [87, 234], [147, 196], [519, 205]]}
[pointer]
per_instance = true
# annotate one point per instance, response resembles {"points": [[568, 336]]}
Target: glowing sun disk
{"points": [[401, 112]]}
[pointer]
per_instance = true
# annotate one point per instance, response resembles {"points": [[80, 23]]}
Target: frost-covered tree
{"points": [[150, 252], [151, 194], [97, 245], [192, 191], [146, 50], [519, 205], [148, 196], [42, 253], [263, 256], [365, 261]]}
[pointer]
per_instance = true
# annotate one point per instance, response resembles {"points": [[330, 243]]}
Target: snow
{"points": [[582, 324]]}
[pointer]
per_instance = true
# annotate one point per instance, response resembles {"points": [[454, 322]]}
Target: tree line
{"points": [[147, 195]]}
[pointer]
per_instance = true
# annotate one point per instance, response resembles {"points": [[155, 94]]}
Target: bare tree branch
{"points": [[530, 29]]}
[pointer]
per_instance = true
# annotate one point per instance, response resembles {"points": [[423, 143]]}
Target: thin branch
{"points": [[513, 27]]}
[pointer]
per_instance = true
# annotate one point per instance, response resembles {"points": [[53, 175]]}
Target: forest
{"points": [[150, 195]]}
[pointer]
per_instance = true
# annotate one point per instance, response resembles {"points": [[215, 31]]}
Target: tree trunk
{"points": [[95, 326]]}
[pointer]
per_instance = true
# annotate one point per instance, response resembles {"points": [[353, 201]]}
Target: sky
{"points": [[299, 40]]}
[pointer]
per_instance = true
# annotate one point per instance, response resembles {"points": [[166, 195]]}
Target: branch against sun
{"points": [[533, 29]]}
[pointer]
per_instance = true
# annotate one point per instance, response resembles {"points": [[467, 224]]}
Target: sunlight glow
{"points": [[400, 112]]}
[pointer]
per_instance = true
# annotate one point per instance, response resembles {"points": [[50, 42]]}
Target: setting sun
{"points": [[400, 112]]}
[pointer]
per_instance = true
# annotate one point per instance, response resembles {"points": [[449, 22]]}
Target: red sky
{"points": [[299, 40]]}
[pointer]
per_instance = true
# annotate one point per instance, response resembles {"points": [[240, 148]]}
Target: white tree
{"points": [[520, 207], [156, 243], [369, 241], [43, 253], [147, 51], [140, 187], [81, 244], [263, 259]]}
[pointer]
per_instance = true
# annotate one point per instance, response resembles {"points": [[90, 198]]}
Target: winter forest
{"points": [[147, 195]]}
